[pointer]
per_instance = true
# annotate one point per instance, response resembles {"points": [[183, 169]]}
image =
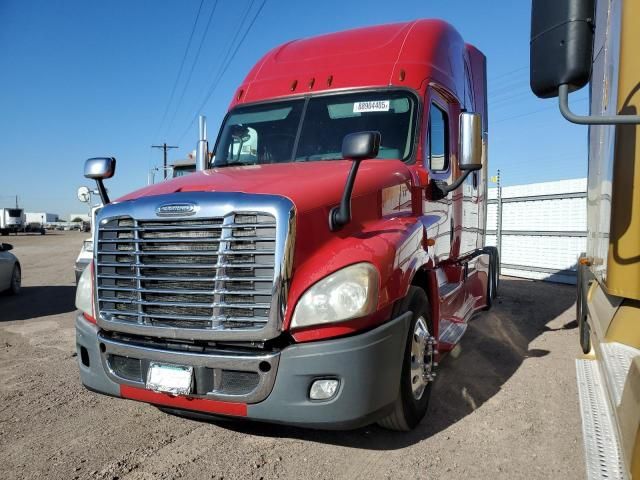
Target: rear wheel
{"points": [[417, 367], [493, 275], [16, 280], [581, 314]]}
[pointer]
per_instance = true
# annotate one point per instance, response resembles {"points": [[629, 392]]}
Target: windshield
{"points": [[283, 132], [15, 212], [184, 170]]}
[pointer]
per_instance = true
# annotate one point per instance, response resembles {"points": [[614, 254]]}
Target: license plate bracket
{"points": [[169, 378]]}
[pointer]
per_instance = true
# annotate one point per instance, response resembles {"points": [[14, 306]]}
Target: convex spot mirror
{"points": [[470, 149], [100, 168], [84, 194]]}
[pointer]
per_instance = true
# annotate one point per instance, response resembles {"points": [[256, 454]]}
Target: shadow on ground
{"points": [[493, 348], [34, 302]]}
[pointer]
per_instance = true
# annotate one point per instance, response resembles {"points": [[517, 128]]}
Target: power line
{"points": [[510, 72], [226, 66], [513, 83], [521, 82], [229, 47], [184, 57], [507, 100], [193, 66], [526, 114]]}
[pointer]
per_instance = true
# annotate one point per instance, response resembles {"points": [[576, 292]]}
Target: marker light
{"points": [[323, 389]]}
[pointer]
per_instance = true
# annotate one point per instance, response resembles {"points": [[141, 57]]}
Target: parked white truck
{"points": [[11, 220]]}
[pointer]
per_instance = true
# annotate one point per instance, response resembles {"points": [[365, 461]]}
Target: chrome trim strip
{"points": [[171, 228], [219, 361], [186, 291]]}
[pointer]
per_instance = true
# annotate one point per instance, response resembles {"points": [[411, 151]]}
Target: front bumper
{"points": [[367, 365]]}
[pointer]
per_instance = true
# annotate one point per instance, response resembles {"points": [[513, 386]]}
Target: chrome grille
{"points": [[202, 274]]}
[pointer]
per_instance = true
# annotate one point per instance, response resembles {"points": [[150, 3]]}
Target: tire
{"points": [[16, 280], [493, 275], [411, 404], [584, 330]]}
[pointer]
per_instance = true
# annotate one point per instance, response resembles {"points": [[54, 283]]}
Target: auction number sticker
{"points": [[371, 106]]}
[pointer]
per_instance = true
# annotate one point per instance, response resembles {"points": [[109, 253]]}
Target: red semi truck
{"points": [[328, 252]]}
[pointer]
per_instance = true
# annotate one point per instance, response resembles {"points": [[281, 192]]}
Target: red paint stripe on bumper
{"points": [[186, 403]]}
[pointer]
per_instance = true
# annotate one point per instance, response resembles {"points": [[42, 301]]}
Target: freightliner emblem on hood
{"points": [[169, 209]]}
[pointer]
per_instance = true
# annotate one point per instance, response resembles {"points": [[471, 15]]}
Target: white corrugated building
{"points": [[544, 228]]}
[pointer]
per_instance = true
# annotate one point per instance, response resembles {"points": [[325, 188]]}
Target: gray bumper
{"points": [[368, 367], [92, 375]]}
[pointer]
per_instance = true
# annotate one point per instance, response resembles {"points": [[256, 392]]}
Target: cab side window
{"points": [[438, 139]]}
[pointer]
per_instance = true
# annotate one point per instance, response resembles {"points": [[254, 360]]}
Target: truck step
{"points": [[601, 445], [617, 361], [451, 332]]}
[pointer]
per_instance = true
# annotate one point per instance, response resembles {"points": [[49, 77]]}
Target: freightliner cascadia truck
{"points": [[329, 249], [575, 42]]}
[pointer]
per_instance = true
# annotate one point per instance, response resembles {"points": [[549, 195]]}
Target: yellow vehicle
{"points": [[574, 42]]}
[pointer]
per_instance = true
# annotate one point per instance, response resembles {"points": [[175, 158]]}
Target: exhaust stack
{"points": [[202, 152]]}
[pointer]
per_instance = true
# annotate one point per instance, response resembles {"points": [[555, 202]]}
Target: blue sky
{"points": [[82, 79]]}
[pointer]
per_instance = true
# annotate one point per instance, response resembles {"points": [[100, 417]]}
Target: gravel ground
{"points": [[504, 404]]}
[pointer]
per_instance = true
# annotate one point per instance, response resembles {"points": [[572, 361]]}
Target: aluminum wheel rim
{"points": [[421, 358]]}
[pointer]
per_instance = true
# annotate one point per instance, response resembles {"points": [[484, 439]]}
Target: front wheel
{"points": [[418, 366], [16, 280]]}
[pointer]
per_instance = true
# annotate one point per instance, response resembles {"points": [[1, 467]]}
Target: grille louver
{"points": [[201, 274]]}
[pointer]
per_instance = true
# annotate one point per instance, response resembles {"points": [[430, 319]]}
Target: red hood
{"points": [[308, 185]]}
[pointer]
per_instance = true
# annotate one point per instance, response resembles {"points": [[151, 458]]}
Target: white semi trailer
{"points": [[12, 220]]}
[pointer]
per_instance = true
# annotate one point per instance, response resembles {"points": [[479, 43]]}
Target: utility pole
{"points": [[496, 179], [164, 148], [499, 226]]}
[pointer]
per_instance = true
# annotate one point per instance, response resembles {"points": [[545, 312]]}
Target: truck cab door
{"points": [[470, 214], [438, 159]]}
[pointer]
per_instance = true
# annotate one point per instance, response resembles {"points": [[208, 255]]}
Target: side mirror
{"points": [[470, 151], [356, 147], [361, 145], [469, 154], [99, 169], [6, 247], [561, 45], [84, 194], [561, 54]]}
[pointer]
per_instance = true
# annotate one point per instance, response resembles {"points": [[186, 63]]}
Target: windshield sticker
{"points": [[371, 106]]}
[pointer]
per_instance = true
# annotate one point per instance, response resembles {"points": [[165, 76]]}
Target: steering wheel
{"points": [[268, 141]]}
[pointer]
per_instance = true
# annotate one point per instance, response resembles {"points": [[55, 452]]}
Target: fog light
{"points": [[323, 389]]}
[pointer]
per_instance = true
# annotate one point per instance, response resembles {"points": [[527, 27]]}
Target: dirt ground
{"points": [[504, 404]]}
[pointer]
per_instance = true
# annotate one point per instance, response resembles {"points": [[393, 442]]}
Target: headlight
{"points": [[348, 293], [84, 294]]}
